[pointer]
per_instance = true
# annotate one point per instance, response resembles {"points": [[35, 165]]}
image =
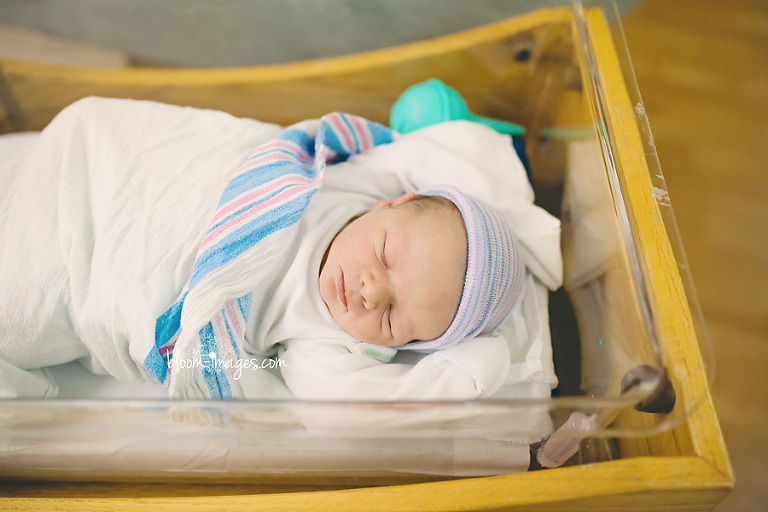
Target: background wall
{"points": [[242, 32]]}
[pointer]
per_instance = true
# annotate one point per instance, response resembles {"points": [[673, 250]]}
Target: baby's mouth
{"points": [[342, 290]]}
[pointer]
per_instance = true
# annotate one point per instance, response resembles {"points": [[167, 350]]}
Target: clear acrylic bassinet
{"points": [[629, 350]]}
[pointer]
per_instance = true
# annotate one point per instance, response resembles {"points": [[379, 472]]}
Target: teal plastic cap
{"points": [[432, 102]]}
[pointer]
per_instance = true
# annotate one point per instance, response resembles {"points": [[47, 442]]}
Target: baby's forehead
{"points": [[441, 229], [433, 205], [442, 214]]}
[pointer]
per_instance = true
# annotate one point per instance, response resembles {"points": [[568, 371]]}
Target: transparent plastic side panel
{"points": [[665, 300], [339, 444], [654, 173], [603, 287], [609, 339]]}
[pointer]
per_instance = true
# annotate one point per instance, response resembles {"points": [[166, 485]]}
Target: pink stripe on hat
{"points": [[495, 277]]}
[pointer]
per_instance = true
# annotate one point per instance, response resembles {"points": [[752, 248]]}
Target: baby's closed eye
{"points": [[384, 251], [387, 317]]}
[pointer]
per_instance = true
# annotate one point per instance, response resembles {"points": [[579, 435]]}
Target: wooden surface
{"points": [[650, 481], [702, 69]]}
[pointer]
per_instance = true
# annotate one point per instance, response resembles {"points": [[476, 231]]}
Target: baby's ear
{"points": [[410, 196]]}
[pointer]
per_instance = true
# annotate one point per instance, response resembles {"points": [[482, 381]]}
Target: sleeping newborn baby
{"points": [[368, 298], [370, 292], [395, 275], [356, 290], [416, 274], [422, 272]]}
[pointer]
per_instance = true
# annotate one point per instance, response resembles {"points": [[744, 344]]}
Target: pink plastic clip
{"points": [[566, 440]]}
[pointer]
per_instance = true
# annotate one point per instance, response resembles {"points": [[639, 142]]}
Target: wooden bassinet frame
{"points": [[678, 469]]}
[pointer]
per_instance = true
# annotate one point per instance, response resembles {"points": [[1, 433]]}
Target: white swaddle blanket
{"points": [[100, 225], [107, 210]]}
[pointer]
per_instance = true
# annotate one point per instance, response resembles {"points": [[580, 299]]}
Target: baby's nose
{"points": [[376, 289]]}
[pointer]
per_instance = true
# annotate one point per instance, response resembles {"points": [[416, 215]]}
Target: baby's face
{"points": [[396, 275]]}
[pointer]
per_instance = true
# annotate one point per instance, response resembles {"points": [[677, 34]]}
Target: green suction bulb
{"points": [[433, 102]]}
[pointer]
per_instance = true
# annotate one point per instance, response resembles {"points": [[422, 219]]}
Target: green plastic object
{"points": [[433, 102]]}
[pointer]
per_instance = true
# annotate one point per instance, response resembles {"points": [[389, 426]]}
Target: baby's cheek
{"points": [[362, 329]]}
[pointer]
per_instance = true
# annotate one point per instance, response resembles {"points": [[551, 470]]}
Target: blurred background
{"points": [[200, 33], [702, 70]]}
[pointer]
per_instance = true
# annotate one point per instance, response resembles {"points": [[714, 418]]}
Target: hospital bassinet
{"points": [[628, 347]]}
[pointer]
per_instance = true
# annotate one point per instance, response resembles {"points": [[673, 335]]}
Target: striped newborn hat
{"points": [[495, 274]]}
